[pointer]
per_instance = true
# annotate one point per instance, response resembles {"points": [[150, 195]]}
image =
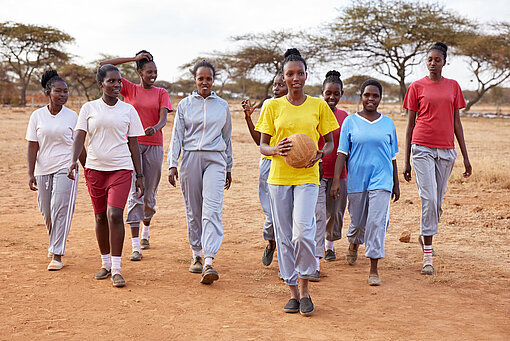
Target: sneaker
{"points": [[374, 280], [267, 256], [196, 265], [102, 273], [55, 265], [351, 256], [292, 306], [280, 275], [306, 306], [427, 269], [118, 281], [136, 256], [420, 240], [144, 244], [329, 256], [209, 275], [316, 277]]}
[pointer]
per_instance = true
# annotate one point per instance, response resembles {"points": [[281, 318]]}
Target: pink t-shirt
{"points": [[147, 103], [434, 103], [328, 161]]}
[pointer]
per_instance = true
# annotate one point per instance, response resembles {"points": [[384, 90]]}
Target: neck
{"points": [[436, 77], [369, 115], [333, 108], [296, 96], [54, 108], [109, 100], [145, 85]]}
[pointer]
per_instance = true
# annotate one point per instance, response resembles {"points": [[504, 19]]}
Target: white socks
{"points": [[145, 231], [427, 254], [115, 265], [318, 263], [106, 261], [330, 245], [208, 261], [197, 253], [135, 244]]}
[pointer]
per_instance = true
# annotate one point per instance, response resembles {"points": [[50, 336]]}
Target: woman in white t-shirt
{"points": [[50, 140], [113, 127]]}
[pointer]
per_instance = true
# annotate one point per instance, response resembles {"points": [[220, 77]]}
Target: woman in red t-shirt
{"points": [[432, 105]]}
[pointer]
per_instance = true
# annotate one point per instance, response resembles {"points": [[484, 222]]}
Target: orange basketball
{"points": [[302, 152]]}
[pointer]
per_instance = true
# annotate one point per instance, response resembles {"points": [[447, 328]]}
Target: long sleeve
{"points": [[174, 150], [226, 133]]}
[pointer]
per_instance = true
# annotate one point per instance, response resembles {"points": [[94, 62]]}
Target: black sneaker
{"points": [[292, 306], [267, 256], [209, 275], [306, 306], [329, 256]]}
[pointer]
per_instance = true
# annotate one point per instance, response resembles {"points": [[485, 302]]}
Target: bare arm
{"points": [[329, 145], [135, 156], [117, 61], [79, 141], [163, 114], [459, 134], [395, 193], [280, 149], [33, 148], [339, 166], [409, 135], [83, 157], [248, 110]]}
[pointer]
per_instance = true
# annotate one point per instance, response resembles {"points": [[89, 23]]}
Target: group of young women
{"points": [[355, 162]]}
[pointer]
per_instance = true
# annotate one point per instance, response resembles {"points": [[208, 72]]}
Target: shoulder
{"points": [[451, 82], [161, 91], [387, 121], [68, 111], [220, 101]]}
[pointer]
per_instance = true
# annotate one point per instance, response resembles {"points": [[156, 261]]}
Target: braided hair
{"points": [[440, 47], [49, 78], [293, 55], [371, 82], [333, 76], [101, 72], [141, 63]]}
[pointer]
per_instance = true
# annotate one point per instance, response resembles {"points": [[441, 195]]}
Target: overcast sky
{"points": [[175, 32]]}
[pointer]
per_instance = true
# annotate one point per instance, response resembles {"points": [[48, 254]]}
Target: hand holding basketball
{"points": [[303, 152]]}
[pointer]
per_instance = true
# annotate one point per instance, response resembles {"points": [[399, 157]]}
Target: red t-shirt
{"points": [[147, 103], [328, 161], [434, 103]]}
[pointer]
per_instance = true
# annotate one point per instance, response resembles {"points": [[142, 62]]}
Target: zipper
{"points": [[203, 129]]}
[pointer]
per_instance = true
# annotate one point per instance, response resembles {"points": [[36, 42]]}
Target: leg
{"points": [[135, 204], [115, 219], [44, 189], [444, 165], [358, 208], [320, 218], [335, 210], [152, 158], [268, 228], [102, 233]]}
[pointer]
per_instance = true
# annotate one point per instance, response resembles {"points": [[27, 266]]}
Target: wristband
{"points": [[139, 175]]}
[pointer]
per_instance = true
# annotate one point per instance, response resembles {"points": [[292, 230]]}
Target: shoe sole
{"points": [[209, 278], [307, 313], [119, 285], [102, 277], [314, 279], [145, 247], [291, 311], [195, 271], [135, 259], [330, 260]]}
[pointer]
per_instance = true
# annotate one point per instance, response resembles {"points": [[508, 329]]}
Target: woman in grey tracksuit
{"points": [[202, 129]]}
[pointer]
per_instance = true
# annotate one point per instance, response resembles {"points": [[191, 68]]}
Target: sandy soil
{"points": [[468, 298]]}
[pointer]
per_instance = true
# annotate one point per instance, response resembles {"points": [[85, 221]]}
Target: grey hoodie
{"points": [[201, 124]]}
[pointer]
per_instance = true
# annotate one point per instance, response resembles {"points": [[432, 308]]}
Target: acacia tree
{"points": [[390, 36], [80, 78], [488, 58], [26, 48]]}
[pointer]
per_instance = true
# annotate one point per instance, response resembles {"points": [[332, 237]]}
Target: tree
{"points": [[127, 70], [488, 57], [26, 48], [80, 78], [390, 36], [223, 66]]}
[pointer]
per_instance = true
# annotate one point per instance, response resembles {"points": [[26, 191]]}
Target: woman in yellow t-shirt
{"points": [[294, 191]]}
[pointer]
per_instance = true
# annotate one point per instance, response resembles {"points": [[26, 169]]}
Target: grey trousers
{"points": [[268, 229], [56, 197], [432, 167], [370, 217], [144, 208], [293, 210], [329, 214], [203, 177]]}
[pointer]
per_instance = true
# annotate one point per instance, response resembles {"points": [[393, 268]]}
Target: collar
{"points": [[195, 94]]}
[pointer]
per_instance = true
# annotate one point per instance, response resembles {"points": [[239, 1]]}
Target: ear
{"points": [[139, 73]]}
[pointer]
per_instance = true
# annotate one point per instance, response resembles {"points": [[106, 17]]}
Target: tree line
{"points": [[387, 37]]}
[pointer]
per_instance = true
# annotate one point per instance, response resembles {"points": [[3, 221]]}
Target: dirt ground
{"points": [[468, 298]]}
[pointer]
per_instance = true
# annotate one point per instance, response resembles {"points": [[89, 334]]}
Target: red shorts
{"points": [[108, 188]]}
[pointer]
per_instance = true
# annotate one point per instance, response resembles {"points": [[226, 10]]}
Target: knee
{"points": [[115, 217], [101, 218]]}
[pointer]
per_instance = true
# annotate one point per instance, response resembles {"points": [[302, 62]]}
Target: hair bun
{"points": [[333, 73], [47, 76], [290, 52], [441, 45]]}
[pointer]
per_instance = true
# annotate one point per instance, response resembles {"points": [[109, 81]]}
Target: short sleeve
{"points": [[458, 97], [32, 128], [394, 141], [82, 123], [265, 123], [411, 99], [344, 141], [327, 119], [135, 124], [164, 100], [128, 88]]}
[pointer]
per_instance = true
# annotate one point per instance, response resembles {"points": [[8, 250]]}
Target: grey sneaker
{"points": [[316, 277], [118, 281], [427, 269], [292, 306], [306, 306], [267, 256], [136, 256], [329, 256], [374, 280], [209, 275], [144, 244], [196, 265], [351, 256], [102, 273]]}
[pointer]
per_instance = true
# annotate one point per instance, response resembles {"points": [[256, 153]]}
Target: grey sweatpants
{"points": [[203, 177], [293, 210], [144, 208], [268, 229], [329, 214], [56, 196], [432, 167], [370, 217]]}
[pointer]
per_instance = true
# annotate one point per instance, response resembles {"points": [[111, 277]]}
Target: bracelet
{"points": [[139, 175]]}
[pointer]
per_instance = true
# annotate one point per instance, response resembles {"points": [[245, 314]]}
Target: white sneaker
{"points": [[55, 265]]}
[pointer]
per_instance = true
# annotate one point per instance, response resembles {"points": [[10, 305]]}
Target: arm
{"points": [[33, 148], [280, 149], [395, 193], [459, 134], [411, 122], [163, 114], [226, 133], [79, 141], [83, 157], [248, 110], [329, 145], [174, 150], [339, 166], [135, 156], [117, 61]]}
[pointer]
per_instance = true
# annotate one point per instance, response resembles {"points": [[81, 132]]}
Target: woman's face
{"points": [[294, 75], [371, 97], [58, 93], [204, 80], [332, 93], [112, 84], [435, 61], [148, 73], [279, 87]]}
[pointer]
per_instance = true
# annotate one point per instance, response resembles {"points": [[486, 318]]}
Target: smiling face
{"points": [[371, 97], [59, 93], [435, 61], [148, 73], [294, 75], [332, 93], [279, 87], [204, 80], [112, 84]]}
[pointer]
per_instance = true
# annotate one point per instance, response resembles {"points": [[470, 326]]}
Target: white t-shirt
{"points": [[109, 128], [54, 134]]}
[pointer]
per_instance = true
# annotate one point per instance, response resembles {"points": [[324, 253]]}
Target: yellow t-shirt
{"points": [[281, 119]]}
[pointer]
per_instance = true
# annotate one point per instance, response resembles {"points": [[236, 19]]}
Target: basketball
{"points": [[302, 152]]}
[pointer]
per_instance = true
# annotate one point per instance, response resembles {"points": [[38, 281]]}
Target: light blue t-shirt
{"points": [[371, 147]]}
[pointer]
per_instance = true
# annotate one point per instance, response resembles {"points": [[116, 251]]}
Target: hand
{"points": [[395, 193], [317, 157], [71, 170], [149, 131], [139, 187], [143, 55], [407, 172], [173, 175], [468, 169], [283, 147], [335, 189], [32, 183], [248, 108], [228, 180]]}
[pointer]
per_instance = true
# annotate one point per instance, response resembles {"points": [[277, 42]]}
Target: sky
{"points": [[176, 32]]}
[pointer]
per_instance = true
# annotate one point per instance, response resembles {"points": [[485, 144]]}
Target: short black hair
{"points": [[202, 63], [293, 55], [440, 47], [101, 72], [141, 63], [371, 82], [333, 76], [49, 78]]}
